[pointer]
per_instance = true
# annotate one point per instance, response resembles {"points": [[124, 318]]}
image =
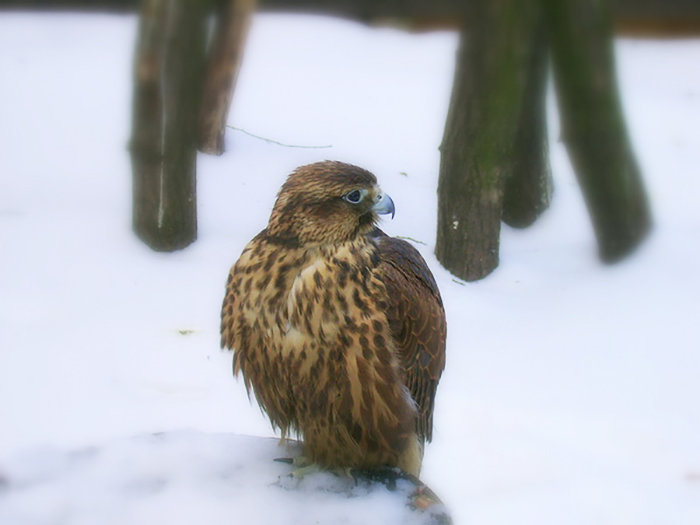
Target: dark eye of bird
{"points": [[354, 196]]}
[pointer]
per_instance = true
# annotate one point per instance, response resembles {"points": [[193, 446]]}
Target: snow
{"points": [[190, 477], [570, 394]]}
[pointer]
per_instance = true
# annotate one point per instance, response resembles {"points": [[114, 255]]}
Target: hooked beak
{"points": [[383, 205]]}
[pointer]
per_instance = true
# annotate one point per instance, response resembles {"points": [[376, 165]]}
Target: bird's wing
{"points": [[241, 321], [229, 309], [417, 321], [235, 330]]}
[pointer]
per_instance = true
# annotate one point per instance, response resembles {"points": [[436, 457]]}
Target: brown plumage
{"points": [[338, 329]]}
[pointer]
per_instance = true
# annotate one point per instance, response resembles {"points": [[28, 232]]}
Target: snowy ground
{"points": [[571, 390], [188, 477]]}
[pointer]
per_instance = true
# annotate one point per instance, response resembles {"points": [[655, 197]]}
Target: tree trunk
{"points": [[478, 144], [225, 55], [528, 188], [167, 86], [592, 124]]}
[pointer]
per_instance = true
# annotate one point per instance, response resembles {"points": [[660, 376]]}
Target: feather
{"points": [[337, 329]]}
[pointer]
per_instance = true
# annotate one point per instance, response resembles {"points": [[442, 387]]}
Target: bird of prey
{"points": [[338, 329]]}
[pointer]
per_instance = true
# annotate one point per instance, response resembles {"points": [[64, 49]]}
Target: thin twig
{"points": [[406, 238], [278, 143]]}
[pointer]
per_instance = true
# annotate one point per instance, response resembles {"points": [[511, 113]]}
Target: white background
{"points": [[571, 389]]}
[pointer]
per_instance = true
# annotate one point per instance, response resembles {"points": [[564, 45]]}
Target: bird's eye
{"points": [[354, 197]]}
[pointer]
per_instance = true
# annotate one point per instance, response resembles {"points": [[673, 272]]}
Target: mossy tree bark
{"points": [[477, 151], [528, 187], [167, 85], [593, 127]]}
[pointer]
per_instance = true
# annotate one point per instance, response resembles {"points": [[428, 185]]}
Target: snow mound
{"points": [[192, 477]]}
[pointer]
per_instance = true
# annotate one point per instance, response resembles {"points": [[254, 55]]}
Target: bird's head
{"points": [[328, 202]]}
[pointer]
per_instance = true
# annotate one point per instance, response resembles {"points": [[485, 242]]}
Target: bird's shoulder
{"points": [[258, 283], [401, 262]]}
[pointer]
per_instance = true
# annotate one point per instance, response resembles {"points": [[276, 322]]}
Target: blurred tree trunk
{"points": [[528, 188], [593, 128], [167, 86], [477, 151], [232, 19]]}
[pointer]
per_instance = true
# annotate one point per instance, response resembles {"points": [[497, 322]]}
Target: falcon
{"points": [[337, 328]]}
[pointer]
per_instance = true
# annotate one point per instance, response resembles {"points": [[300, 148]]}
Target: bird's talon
{"points": [[301, 472]]}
